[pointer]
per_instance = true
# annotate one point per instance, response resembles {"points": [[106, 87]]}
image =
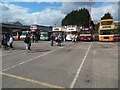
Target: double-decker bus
{"points": [[35, 30], [57, 30], [45, 34], [86, 34], [106, 30], [71, 31]]}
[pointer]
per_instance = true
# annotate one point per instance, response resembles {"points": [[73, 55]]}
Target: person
{"points": [[33, 38], [3, 45], [74, 38], [93, 38], [27, 41], [64, 37], [36, 39], [51, 40], [5, 41], [11, 41], [59, 40]]}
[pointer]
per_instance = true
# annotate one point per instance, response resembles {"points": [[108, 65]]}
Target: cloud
{"points": [[12, 12], [48, 16], [67, 7], [59, 0], [51, 16], [97, 13]]}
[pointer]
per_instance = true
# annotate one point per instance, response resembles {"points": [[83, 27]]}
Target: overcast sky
{"points": [[50, 13]]}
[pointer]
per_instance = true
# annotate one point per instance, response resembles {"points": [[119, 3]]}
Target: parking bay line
{"points": [[30, 80], [80, 67], [30, 59]]}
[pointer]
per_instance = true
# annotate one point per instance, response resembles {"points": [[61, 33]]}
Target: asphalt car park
{"points": [[72, 65]]}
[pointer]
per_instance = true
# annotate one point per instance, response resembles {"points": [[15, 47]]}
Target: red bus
{"points": [[35, 30], [86, 34]]}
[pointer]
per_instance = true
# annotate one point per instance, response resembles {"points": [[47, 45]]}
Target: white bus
{"points": [[71, 31]]}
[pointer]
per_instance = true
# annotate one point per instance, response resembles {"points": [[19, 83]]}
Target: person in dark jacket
{"points": [[27, 41], [51, 40], [5, 41]]}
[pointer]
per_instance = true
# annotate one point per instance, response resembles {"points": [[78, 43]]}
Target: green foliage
{"points": [[78, 17], [117, 30], [107, 16], [96, 28]]}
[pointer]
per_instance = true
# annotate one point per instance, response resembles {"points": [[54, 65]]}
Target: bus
{"points": [[71, 31], [106, 30], [16, 35], [86, 34], [45, 34], [38, 31], [56, 31], [35, 30], [23, 35]]}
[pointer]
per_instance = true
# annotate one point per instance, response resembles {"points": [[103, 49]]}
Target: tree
{"points": [[107, 16], [96, 28], [78, 17]]}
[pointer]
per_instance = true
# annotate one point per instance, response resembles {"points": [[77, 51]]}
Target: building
{"points": [[9, 28]]}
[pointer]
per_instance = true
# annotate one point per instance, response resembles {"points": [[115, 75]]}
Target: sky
{"points": [[50, 13]]}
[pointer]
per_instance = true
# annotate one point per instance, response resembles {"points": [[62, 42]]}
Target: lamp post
{"points": [[90, 12]]}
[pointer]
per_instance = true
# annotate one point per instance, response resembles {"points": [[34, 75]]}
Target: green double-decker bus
{"points": [[45, 35]]}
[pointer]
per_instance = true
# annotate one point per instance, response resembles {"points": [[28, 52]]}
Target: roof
{"points": [[15, 23]]}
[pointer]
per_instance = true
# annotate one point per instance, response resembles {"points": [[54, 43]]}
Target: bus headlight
{"points": [[112, 26]]}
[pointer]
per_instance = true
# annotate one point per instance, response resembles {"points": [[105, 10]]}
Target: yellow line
{"points": [[30, 80]]}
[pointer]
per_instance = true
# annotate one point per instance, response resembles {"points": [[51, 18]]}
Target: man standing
{"points": [[59, 40], [33, 38], [5, 41], [11, 41], [51, 40], [27, 43]]}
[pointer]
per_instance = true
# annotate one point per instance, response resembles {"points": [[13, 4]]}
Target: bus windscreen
{"points": [[71, 32], [85, 32], [57, 33], [106, 32], [106, 23]]}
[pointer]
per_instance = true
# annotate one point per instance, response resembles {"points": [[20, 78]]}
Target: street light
{"points": [[90, 12]]}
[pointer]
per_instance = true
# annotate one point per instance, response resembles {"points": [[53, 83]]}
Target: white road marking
{"points": [[29, 60], [80, 67], [114, 44]]}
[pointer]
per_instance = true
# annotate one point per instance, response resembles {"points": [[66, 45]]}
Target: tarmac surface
{"points": [[72, 65]]}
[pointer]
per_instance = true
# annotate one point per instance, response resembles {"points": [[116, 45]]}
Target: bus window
{"points": [[106, 32], [106, 23], [44, 33], [85, 32], [71, 32]]}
